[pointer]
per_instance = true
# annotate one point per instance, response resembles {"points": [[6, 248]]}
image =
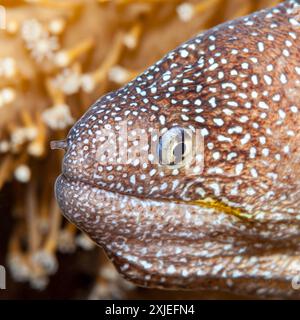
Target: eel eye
{"points": [[175, 147]]}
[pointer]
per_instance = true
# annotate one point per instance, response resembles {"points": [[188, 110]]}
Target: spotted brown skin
{"points": [[237, 83]]}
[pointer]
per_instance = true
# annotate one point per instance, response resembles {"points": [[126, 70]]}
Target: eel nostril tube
{"points": [[59, 144]]}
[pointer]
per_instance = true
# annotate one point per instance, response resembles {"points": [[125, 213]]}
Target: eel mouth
{"points": [[95, 210], [86, 204], [64, 182]]}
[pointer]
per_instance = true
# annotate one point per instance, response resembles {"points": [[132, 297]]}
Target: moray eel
{"points": [[228, 220]]}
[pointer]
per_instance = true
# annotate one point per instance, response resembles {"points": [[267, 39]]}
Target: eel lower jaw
{"points": [[179, 245]]}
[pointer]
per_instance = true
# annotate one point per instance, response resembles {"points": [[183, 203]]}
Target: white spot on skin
{"points": [[162, 119], [212, 102], [171, 269], [254, 79], [199, 119], [219, 122], [239, 168], [263, 105], [283, 78], [268, 79], [184, 53], [261, 47], [246, 139], [276, 97], [297, 69]]}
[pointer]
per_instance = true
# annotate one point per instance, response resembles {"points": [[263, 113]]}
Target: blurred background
{"points": [[56, 58]]}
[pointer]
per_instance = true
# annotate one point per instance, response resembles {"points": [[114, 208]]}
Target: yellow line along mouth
{"points": [[209, 203], [221, 207]]}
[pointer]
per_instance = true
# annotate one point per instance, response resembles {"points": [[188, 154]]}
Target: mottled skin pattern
{"points": [[238, 83]]}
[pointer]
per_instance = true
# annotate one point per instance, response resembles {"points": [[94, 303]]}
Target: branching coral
{"points": [[56, 58]]}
